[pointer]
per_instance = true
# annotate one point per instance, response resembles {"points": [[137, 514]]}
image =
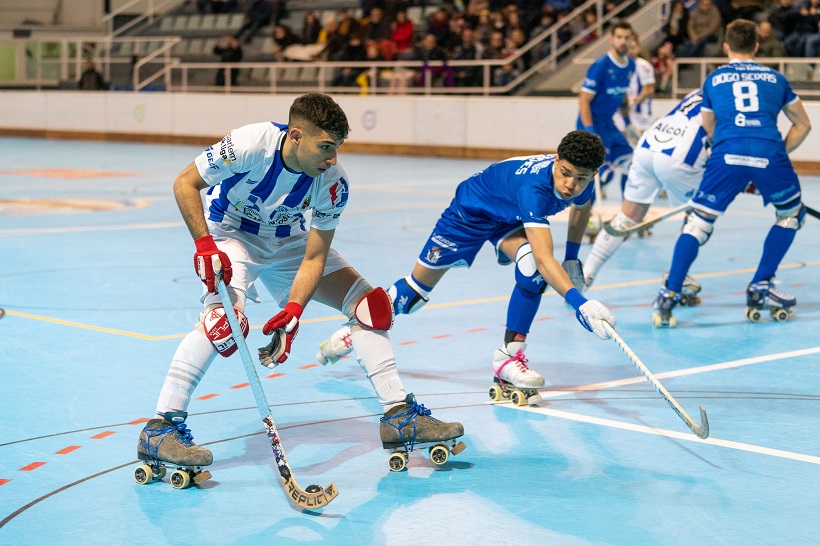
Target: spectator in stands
{"points": [[283, 38], [229, 51], [806, 20], [348, 26], [590, 22], [375, 27], [470, 49], [705, 26], [663, 63], [403, 31], [783, 17], [747, 9], [353, 51], [91, 79], [768, 44], [259, 14], [311, 27], [438, 24], [813, 40], [217, 6], [495, 47], [543, 48], [333, 42], [505, 75], [483, 27], [676, 25], [428, 50], [372, 54]]}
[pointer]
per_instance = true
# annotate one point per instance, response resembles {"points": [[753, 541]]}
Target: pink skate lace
{"points": [[519, 358]]}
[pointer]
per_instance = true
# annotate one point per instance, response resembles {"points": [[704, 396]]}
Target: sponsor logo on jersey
{"points": [[746, 161], [743, 121], [249, 209], [532, 161], [433, 255], [619, 90], [282, 216], [320, 214], [226, 149], [210, 155], [306, 203], [338, 194]]}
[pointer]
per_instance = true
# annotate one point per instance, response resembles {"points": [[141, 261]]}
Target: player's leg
{"points": [[343, 290]]}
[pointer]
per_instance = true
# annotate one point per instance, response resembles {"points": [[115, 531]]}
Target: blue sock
{"points": [[427, 289], [777, 244], [686, 250], [521, 310]]}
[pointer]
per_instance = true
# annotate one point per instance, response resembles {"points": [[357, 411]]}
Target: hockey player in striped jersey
{"points": [[670, 155]]}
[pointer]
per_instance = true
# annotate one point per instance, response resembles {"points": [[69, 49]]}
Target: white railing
{"points": [[796, 69], [148, 9]]}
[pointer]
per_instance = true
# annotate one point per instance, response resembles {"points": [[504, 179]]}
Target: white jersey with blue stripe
{"points": [[253, 190], [641, 114], [680, 133]]}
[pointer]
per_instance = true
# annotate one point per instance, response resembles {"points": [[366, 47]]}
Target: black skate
{"points": [[665, 302], [763, 296], [168, 443], [410, 425], [688, 292]]}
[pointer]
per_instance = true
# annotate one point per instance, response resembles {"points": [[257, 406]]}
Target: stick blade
{"points": [[702, 431], [607, 225], [313, 500]]}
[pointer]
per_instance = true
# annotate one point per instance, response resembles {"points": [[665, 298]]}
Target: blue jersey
{"points": [[514, 191], [609, 82], [746, 98]]}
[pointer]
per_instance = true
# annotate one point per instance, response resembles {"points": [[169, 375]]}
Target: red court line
{"points": [[138, 421], [275, 375], [207, 396], [306, 366], [4, 481], [241, 386], [102, 435], [32, 466], [408, 342], [476, 330], [67, 450], [545, 318], [442, 336]]}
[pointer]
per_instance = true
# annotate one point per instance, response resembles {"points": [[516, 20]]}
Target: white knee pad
{"points": [[218, 330], [698, 227], [526, 271], [791, 218]]}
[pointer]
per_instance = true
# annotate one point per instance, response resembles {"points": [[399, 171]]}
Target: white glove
{"points": [[592, 316], [576, 273]]}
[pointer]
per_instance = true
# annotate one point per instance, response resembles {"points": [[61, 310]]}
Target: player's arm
{"points": [[708, 121], [578, 221], [540, 239], [801, 125], [585, 108], [647, 91], [312, 267], [187, 188]]}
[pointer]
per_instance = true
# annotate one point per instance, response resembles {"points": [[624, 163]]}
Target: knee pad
{"points": [[369, 308], [218, 329], [408, 297], [791, 218], [622, 222], [526, 271], [698, 227]]}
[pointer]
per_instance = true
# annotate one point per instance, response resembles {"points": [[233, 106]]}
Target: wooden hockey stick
{"points": [[643, 225], [315, 496], [702, 430], [811, 212]]}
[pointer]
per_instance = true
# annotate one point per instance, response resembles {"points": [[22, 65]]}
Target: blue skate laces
{"points": [[183, 433], [411, 414]]}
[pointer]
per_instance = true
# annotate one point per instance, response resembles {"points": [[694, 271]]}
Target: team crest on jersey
{"points": [[338, 193], [434, 255], [306, 203], [281, 216]]}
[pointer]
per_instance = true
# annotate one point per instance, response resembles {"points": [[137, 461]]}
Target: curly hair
{"points": [[322, 111], [583, 150]]}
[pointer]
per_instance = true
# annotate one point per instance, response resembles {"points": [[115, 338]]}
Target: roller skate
{"points": [[688, 292], [409, 426], [336, 347], [665, 302], [763, 295], [514, 381], [168, 443]]}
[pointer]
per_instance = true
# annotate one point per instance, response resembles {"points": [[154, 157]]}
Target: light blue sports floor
{"points": [[98, 289]]}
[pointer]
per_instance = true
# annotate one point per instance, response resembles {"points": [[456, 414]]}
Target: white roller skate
{"points": [[335, 347], [664, 303], [167, 442], [513, 379], [688, 292], [409, 426], [762, 296]]}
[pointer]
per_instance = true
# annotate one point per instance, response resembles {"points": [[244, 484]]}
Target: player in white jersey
{"points": [[262, 179], [672, 155], [638, 95]]}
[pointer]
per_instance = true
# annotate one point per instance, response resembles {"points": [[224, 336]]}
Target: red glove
{"points": [[206, 255], [287, 321]]}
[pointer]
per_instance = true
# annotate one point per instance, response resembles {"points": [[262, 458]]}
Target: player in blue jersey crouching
{"points": [[261, 180], [741, 102], [509, 204]]}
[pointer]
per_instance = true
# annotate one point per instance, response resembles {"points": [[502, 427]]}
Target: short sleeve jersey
{"points": [[680, 133], [746, 98], [253, 190], [644, 75], [514, 191], [609, 82]]}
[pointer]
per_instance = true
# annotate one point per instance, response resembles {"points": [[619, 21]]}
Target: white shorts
{"points": [[651, 171], [272, 260]]}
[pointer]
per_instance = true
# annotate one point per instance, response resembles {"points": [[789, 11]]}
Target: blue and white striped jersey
{"points": [[680, 133], [515, 190], [641, 114], [252, 189]]}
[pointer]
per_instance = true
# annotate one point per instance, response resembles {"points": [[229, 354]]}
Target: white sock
{"points": [[191, 360], [603, 249], [375, 355]]}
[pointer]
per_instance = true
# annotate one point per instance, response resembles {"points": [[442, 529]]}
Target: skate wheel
{"points": [[754, 315], [397, 461], [672, 322], [143, 474], [518, 398], [780, 315], [657, 321], [439, 454], [180, 479], [496, 393]]}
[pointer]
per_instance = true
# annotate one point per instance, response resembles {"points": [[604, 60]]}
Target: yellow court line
{"points": [[426, 307]]}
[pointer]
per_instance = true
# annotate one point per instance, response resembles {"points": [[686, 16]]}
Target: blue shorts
{"points": [[456, 242], [735, 163]]}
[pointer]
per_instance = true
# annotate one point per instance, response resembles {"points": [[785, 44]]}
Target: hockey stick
{"points": [[811, 212], [702, 430], [315, 496], [643, 225]]}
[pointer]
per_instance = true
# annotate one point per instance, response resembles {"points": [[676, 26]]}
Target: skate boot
{"points": [[688, 292], [665, 302], [763, 295], [410, 425], [513, 379], [335, 347], [167, 442]]}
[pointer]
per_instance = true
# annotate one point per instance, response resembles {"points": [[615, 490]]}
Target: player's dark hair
{"points": [[583, 150], [322, 111], [741, 35], [620, 24]]}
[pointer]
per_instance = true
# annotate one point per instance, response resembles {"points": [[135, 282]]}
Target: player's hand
{"points": [[575, 271], [590, 129], [592, 316], [205, 259], [284, 327]]}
